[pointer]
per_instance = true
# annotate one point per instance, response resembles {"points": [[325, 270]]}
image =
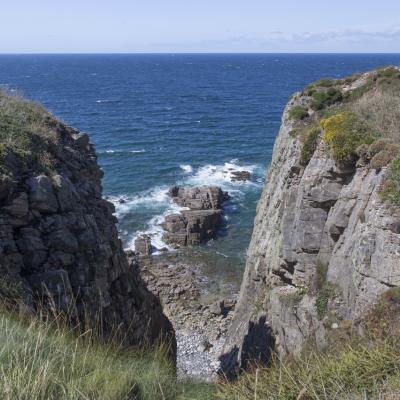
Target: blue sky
{"points": [[59, 26]]}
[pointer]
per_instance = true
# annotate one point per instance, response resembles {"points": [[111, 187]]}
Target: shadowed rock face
{"points": [[313, 220], [59, 244], [201, 222]]}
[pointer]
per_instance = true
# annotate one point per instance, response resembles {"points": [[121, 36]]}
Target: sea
{"points": [[159, 120]]}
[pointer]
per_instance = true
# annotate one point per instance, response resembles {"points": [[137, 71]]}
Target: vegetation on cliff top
{"points": [[359, 117], [27, 131]]}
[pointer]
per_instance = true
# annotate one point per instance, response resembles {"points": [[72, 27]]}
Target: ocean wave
{"points": [[137, 151], [222, 175], [118, 151], [187, 168]]}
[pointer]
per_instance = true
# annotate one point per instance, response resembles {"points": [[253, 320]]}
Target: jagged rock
{"points": [[65, 191], [143, 245], [59, 242], [240, 176], [199, 198], [312, 221], [201, 222], [6, 187], [191, 227], [41, 194]]}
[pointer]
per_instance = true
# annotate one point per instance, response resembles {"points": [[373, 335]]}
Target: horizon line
{"points": [[197, 53]]}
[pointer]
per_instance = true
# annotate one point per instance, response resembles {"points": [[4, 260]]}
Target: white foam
{"points": [[187, 168], [221, 175], [137, 151], [110, 151]]}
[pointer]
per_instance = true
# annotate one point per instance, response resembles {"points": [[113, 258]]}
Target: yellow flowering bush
{"points": [[344, 133]]}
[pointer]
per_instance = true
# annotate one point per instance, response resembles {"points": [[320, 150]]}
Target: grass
{"points": [[46, 360], [27, 132], [390, 191], [298, 113], [309, 145], [357, 372]]}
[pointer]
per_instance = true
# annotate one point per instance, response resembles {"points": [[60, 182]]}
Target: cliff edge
{"points": [[59, 244], [326, 236]]}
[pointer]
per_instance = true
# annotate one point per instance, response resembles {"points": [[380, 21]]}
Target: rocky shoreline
{"points": [[200, 322]]}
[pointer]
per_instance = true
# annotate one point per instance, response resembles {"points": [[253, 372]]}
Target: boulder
{"points": [[143, 245], [41, 194], [191, 227], [201, 222], [240, 176], [65, 192], [199, 198]]}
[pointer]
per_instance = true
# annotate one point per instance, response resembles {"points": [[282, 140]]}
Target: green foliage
{"points": [[321, 274], [390, 191], [344, 132], [309, 145], [27, 131], [298, 113], [322, 300], [323, 99]]}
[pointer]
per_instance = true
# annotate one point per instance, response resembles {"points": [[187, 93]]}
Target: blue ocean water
{"points": [[159, 120]]}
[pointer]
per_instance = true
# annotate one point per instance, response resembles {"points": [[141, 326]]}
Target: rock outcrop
{"points": [[59, 243], [324, 248], [201, 221]]}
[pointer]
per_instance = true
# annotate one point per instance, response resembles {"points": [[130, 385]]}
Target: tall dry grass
{"points": [[358, 372], [380, 110]]}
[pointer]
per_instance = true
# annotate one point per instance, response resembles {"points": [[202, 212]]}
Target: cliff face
{"points": [[58, 239], [324, 246]]}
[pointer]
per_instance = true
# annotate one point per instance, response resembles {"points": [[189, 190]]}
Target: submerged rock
{"points": [[240, 176]]}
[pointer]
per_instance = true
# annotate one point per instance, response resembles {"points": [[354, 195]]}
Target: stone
{"points": [[240, 176], [65, 192], [191, 227], [143, 245], [199, 198], [81, 140], [41, 194], [201, 222], [6, 187], [19, 207]]}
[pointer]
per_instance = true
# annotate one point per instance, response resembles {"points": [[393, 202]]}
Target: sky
{"points": [[205, 26]]}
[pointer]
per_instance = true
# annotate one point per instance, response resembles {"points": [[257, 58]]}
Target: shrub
{"points": [[322, 99], [298, 113], [322, 300], [344, 133], [381, 159], [309, 145], [390, 191]]}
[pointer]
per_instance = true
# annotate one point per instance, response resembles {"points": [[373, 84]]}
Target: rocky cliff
{"points": [[58, 239], [325, 244]]}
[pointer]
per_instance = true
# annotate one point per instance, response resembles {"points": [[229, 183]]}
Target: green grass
{"points": [[27, 132], [390, 191], [309, 145], [358, 371], [298, 113], [46, 361], [323, 99]]}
